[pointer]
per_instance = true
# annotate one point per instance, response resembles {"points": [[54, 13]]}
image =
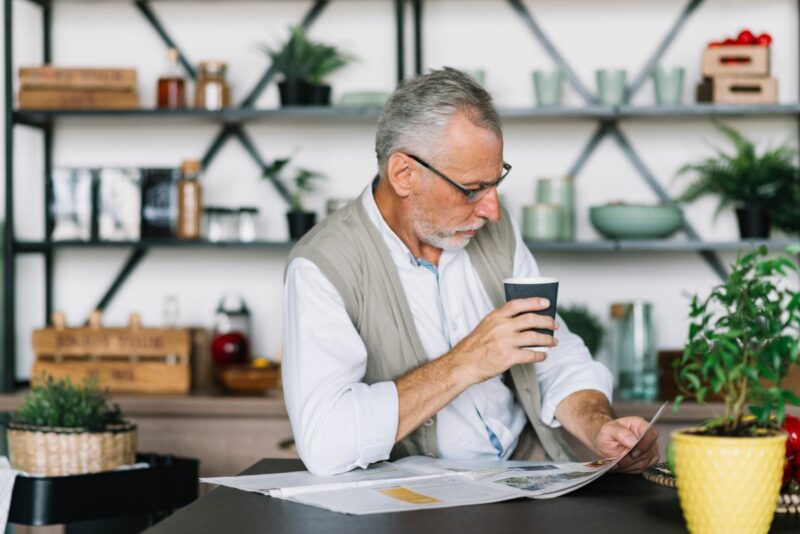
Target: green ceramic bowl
{"points": [[636, 221]]}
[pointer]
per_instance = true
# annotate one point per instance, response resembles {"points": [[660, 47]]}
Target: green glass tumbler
{"points": [[668, 84], [547, 88], [611, 86]]}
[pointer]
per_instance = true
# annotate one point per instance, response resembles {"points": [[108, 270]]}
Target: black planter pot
{"points": [[319, 95], [294, 92], [300, 222], [753, 222]]}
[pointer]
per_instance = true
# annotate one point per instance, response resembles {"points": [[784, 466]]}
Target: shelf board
{"points": [[654, 245], [372, 113]]}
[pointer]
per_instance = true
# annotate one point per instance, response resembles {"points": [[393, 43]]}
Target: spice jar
{"points": [[212, 91], [214, 230], [248, 224]]}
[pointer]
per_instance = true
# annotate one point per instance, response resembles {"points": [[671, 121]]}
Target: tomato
{"points": [[714, 44], [746, 37], [729, 41], [791, 468], [764, 39]]}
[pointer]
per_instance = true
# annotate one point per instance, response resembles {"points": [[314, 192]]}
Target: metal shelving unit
{"points": [[232, 124]]}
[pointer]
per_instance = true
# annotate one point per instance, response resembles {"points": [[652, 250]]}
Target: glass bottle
{"points": [[212, 91], [190, 202], [635, 349], [171, 84]]}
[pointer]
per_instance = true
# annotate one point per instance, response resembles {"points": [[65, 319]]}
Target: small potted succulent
{"points": [[303, 182], [67, 429], [304, 65], [743, 339], [758, 185]]}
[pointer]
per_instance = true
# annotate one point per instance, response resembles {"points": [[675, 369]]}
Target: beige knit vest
{"points": [[350, 252]]}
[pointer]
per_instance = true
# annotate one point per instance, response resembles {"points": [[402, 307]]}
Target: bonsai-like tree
{"points": [[62, 404], [743, 338], [770, 180]]}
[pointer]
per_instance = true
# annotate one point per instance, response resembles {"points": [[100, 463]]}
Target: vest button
{"points": [[428, 422]]}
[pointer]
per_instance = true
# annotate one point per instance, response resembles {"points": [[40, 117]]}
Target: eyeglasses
{"points": [[473, 195]]}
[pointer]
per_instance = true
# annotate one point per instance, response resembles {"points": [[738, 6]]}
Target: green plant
{"points": [[60, 403], [746, 177], [300, 58], [742, 340], [302, 180], [585, 325]]}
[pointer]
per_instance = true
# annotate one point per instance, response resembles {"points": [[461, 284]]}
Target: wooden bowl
{"points": [[247, 378]]}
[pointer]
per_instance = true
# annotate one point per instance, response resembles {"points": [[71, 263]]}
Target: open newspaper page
{"points": [[419, 483]]}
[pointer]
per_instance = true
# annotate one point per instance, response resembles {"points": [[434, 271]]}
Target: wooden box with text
{"points": [[125, 360]]}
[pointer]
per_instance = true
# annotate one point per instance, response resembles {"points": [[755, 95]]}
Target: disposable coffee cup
{"points": [[542, 287]]}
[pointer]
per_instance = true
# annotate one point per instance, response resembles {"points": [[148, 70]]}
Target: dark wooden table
{"points": [[614, 504]]}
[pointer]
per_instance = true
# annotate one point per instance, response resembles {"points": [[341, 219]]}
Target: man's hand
{"points": [[619, 435], [489, 350], [495, 345], [587, 415]]}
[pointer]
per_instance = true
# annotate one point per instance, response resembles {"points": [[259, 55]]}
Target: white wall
{"points": [[467, 34]]}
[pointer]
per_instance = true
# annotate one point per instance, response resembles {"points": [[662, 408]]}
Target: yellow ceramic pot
{"points": [[728, 485]]}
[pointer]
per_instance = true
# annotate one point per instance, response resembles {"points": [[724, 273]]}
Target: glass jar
{"points": [[214, 229], [634, 345], [248, 224], [212, 90]]}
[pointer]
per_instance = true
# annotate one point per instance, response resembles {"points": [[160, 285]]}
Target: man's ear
{"points": [[402, 174]]}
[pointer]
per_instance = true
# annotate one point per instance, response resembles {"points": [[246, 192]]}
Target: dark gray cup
{"points": [[523, 288]]}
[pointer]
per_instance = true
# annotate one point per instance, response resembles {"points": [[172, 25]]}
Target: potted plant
{"points": [[304, 65], [585, 325], [302, 183], [66, 429], [756, 184], [742, 340]]}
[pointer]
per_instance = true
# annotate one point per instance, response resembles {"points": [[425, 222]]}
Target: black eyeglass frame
{"points": [[473, 195]]}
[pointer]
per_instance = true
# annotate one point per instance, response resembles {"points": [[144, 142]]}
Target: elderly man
{"points": [[397, 338]]}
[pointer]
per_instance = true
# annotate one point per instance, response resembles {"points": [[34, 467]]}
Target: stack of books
{"points": [[77, 88]]}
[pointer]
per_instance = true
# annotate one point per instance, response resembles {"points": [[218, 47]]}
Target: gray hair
{"points": [[419, 111]]}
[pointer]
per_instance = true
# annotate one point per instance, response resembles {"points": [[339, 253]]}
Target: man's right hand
{"points": [[496, 344]]}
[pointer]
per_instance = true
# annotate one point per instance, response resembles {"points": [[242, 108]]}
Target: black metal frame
{"points": [[232, 126]]}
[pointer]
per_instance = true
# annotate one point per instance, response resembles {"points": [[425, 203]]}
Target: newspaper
{"points": [[419, 483]]}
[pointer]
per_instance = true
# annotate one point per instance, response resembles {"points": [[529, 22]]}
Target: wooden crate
{"points": [[736, 61], [738, 90], [124, 360]]}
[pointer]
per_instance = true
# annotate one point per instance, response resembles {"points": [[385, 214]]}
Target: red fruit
{"points": [[231, 347], [791, 425], [714, 44], [764, 39], [746, 37], [729, 41]]}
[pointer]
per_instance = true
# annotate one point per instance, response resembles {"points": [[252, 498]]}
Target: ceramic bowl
{"points": [[636, 221]]}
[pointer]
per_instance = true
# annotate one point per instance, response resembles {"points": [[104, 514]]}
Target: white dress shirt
{"points": [[340, 423]]}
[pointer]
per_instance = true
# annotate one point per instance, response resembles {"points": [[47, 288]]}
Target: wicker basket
{"points": [[70, 451]]}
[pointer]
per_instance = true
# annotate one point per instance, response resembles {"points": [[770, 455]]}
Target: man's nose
{"points": [[489, 206]]}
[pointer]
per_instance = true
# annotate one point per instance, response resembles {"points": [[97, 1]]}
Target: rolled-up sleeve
{"points": [[338, 421], [569, 366]]}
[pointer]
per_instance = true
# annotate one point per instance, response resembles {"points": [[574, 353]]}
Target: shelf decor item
{"points": [[304, 65], [69, 429], [561, 192], [585, 325], [611, 86], [756, 184], [130, 359], [303, 183], [668, 85], [743, 339], [636, 221], [541, 222], [48, 87], [736, 71], [547, 86]]}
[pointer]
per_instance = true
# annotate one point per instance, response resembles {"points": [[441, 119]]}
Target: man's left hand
{"points": [[618, 435]]}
